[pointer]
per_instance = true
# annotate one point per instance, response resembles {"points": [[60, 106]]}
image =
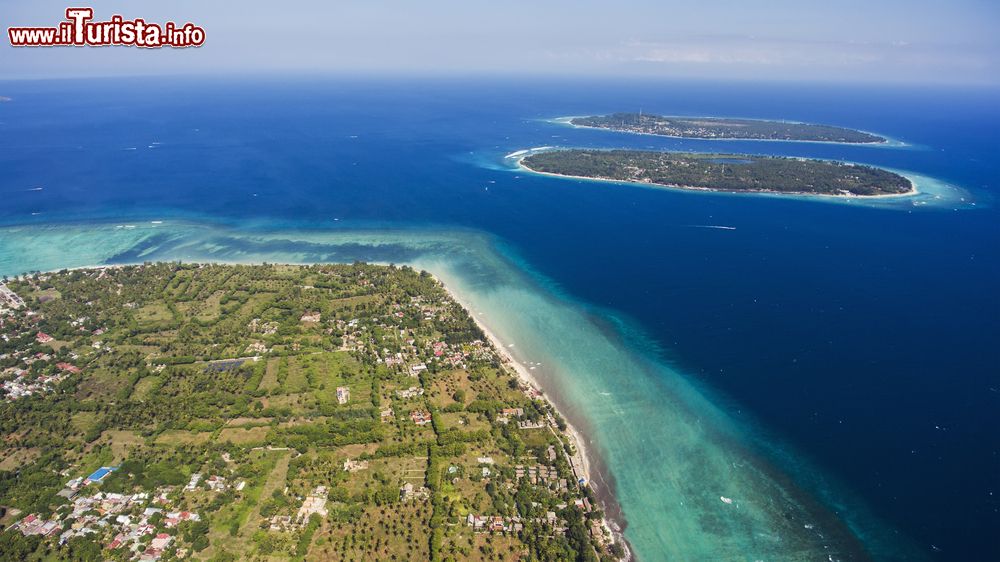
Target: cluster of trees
{"points": [[333, 433], [31, 488], [135, 474], [725, 172], [714, 127]]}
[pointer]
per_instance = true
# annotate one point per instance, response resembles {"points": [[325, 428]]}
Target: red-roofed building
{"points": [[68, 367], [42, 337], [420, 417]]}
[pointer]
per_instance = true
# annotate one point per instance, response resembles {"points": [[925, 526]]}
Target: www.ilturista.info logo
{"points": [[79, 31]]}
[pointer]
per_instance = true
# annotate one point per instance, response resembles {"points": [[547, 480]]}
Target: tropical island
{"points": [[724, 128], [271, 412], [721, 172]]}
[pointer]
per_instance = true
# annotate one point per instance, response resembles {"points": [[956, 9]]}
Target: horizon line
{"points": [[540, 76]]}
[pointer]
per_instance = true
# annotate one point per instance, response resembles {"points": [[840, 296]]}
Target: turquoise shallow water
{"points": [[669, 455]]}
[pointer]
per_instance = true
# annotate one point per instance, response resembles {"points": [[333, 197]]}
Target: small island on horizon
{"points": [[724, 128], [721, 172]]}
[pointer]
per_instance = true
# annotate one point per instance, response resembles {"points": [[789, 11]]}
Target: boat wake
{"points": [[714, 226]]}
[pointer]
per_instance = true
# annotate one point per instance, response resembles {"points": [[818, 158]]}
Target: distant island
{"points": [[721, 172], [724, 128], [5, 98]]}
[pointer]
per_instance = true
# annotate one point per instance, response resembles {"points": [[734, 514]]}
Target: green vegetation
{"points": [[271, 412], [724, 128], [721, 172]]}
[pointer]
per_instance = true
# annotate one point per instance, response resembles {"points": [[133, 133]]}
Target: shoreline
{"points": [[580, 460], [887, 143], [912, 192]]}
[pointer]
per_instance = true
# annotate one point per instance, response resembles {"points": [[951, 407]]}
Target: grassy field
{"points": [[270, 380], [153, 314], [298, 371], [210, 310], [181, 437], [122, 442], [143, 389], [12, 459], [101, 385], [244, 436]]}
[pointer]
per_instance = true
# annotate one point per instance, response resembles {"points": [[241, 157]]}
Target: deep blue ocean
{"points": [[865, 338]]}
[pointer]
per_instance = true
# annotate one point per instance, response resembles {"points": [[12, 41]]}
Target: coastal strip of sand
{"points": [[581, 459]]}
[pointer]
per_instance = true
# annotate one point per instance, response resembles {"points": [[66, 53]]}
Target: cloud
{"points": [[752, 51], [791, 58]]}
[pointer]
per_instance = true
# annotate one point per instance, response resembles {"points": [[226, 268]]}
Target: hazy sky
{"points": [[956, 41]]}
